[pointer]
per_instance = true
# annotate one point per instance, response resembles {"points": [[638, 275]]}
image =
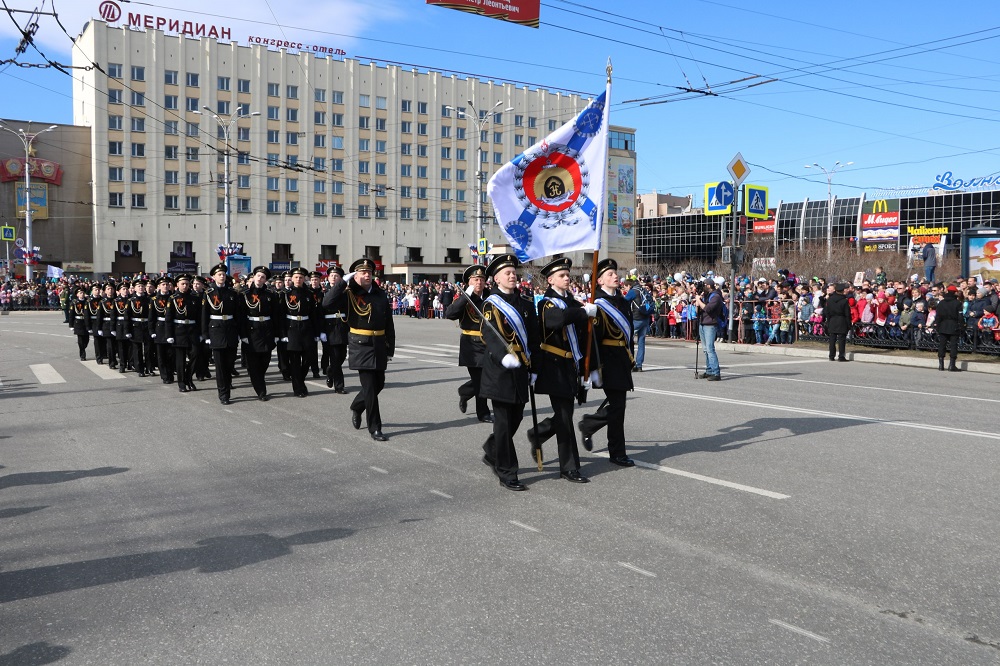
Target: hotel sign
{"points": [[522, 12]]}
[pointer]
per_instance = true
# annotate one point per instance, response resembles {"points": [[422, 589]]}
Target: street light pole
{"points": [[27, 139], [227, 128], [837, 166]]}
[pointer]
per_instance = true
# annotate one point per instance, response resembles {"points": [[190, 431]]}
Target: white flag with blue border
{"points": [[550, 198]]}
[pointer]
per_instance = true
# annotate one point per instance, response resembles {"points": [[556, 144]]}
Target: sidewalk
{"points": [[813, 350]]}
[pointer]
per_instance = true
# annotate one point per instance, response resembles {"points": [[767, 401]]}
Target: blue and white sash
{"points": [[609, 309], [574, 342], [514, 318]]}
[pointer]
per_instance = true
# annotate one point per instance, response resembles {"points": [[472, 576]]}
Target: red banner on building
{"points": [[12, 168], [522, 12], [766, 226]]}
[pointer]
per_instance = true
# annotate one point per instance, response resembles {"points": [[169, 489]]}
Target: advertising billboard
{"points": [[880, 226], [522, 12], [620, 218]]}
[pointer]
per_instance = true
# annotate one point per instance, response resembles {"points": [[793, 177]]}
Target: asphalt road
{"points": [[799, 511]]}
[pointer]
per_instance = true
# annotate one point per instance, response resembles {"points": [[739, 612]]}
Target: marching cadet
{"points": [[299, 329], [511, 337], [220, 327], [333, 330], [152, 359], [198, 286], [559, 363], [371, 340], [94, 305], [184, 333], [466, 310], [315, 287], [613, 333], [283, 285], [258, 331], [80, 320], [121, 328], [159, 304], [138, 328], [106, 324]]}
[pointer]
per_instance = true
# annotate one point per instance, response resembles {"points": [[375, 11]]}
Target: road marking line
{"points": [[431, 360], [203, 400], [637, 569], [446, 346], [102, 371], [872, 388], [701, 477], [401, 356], [327, 450], [444, 495], [523, 526], [799, 630], [816, 412], [255, 422], [318, 385], [380, 470], [46, 374], [416, 350], [288, 434]]}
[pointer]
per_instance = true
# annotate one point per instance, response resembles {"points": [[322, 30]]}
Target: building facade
{"points": [[344, 159]]}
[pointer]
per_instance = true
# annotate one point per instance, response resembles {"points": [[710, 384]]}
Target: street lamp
{"points": [[27, 139], [227, 125], [837, 166], [479, 124]]}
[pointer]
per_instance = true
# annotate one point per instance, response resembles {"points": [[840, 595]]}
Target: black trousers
{"points": [[499, 446], [100, 348], [298, 365], [201, 360], [311, 356], [110, 350], [152, 355], [165, 362], [324, 362], [124, 352], [224, 359], [283, 360], [257, 363], [949, 341], [470, 390], [335, 355], [372, 383], [560, 424], [838, 343], [83, 341], [138, 355], [611, 413], [185, 362]]}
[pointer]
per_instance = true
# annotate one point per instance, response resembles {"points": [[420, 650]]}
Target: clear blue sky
{"points": [[905, 91]]}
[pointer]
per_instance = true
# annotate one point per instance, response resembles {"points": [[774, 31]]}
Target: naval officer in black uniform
{"points": [[259, 333], [183, 331], [466, 310], [299, 329], [333, 330], [220, 327]]}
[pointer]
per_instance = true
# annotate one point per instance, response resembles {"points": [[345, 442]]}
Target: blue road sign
{"points": [[725, 192], [755, 201], [8, 234], [718, 198]]}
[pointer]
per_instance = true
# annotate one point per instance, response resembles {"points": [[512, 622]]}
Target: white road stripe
{"points": [[102, 371], [727, 366], [203, 400], [446, 346], [318, 385], [46, 374], [799, 630], [228, 410], [255, 422], [637, 569], [523, 526], [816, 412], [401, 356], [441, 494], [417, 350], [288, 434], [379, 470], [328, 450], [871, 388]]}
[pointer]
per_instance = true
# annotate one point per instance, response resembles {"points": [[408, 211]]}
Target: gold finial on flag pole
{"points": [[609, 69]]}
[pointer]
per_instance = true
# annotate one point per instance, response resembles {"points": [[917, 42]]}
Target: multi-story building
{"points": [[344, 159]]}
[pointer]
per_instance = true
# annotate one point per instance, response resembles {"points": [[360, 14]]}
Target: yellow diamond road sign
{"points": [[738, 169]]}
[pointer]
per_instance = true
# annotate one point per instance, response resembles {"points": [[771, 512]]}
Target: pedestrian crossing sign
{"points": [[755, 201], [718, 198], [8, 234]]}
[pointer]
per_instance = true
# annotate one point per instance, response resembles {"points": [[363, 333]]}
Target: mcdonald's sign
{"points": [[880, 226]]}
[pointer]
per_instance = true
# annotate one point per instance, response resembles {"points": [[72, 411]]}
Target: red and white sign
{"points": [[766, 226], [522, 12], [110, 11]]}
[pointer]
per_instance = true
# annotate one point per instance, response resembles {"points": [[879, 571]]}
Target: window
{"points": [[273, 159], [406, 106], [243, 85], [379, 212], [116, 200], [422, 129], [191, 177], [115, 174], [337, 187], [364, 122], [497, 158], [292, 138], [336, 164], [272, 183], [170, 202], [242, 205], [532, 140], [170, 77], [292, 115], [337, 119], [220, 205], [170, 177], [498, 118], [518, 120], [319, 94], [406, 127], [445, 111], [292, 160], [170, 102], [445, 195], [421, 150], [292, 92], [364, 166], [459, 196], [242, 133], [337, 142], [460, 174], [291, 184], [406, 149], [380, 102], [445, 215], [445, 173], [405, 192], [484, 136], [243, 109], [422, 214], [364, 101], [224, 83], [380, 168], [191, 80], [138, 124], [337, 209], [421, 192], [380, 124], [445, 132], [138, 201], [191, 154], [405, 214], [362, 189], [363, 210], [460, 133], [319, 163], [460, 216], [272, 206], [138, 73], [273, 90], [497, 137], [553, 125], [222, 107], [405, 170], [337, 97], [518, 139], [170, 127], [319, 186], [274, 113], [421, 171], [319, 209], [242, 157], [319, 118], [243, 181], [379, 146], [460, 154], [138, 175], [138, 150], [319, 141], [422, 108], [114, 122], [191, 104], [114, 96], [170, 152], [114, 70], [291, 207], [446, 153], [191, 129], [532, 122], [364, 145], [192, 203]]}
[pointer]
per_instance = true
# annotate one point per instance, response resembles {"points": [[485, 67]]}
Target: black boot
{"points": [[941, 363], [954, 368]]}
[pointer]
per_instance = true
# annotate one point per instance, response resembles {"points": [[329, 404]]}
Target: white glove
{"points": [[208, 342], [590, 309], [322, 337], [154, 335], [587, 385], [170, 340], [128, 335], [276, 341], [284, 339], [532, 378], [469, 291], [349, 275], [510, 362], [246, 341], [114, 334], [101, 333], [595, 378]]}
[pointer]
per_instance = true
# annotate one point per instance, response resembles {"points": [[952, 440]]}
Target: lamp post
{"points": [[27, 139], [479, 124], [227, 123], [837, 166]]}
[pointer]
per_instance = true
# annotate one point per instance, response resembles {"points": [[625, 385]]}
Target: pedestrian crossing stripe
{"points": [[102, 371], [46, 374]]}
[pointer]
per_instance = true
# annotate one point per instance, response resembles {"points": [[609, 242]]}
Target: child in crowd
{"points": [[760, 324]]}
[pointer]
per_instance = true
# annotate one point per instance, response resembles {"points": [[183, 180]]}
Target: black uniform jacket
{"points": [[558, 373], [138, 317], [122, 314], [837, 314], [465, 310], [80, 313], [371, 336], [260, 318], [500, 383], [299, 318], [220, 317], [613, 344], [106, 317], [184, 319], [334, 314], [948, 317], [158, 305]]}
